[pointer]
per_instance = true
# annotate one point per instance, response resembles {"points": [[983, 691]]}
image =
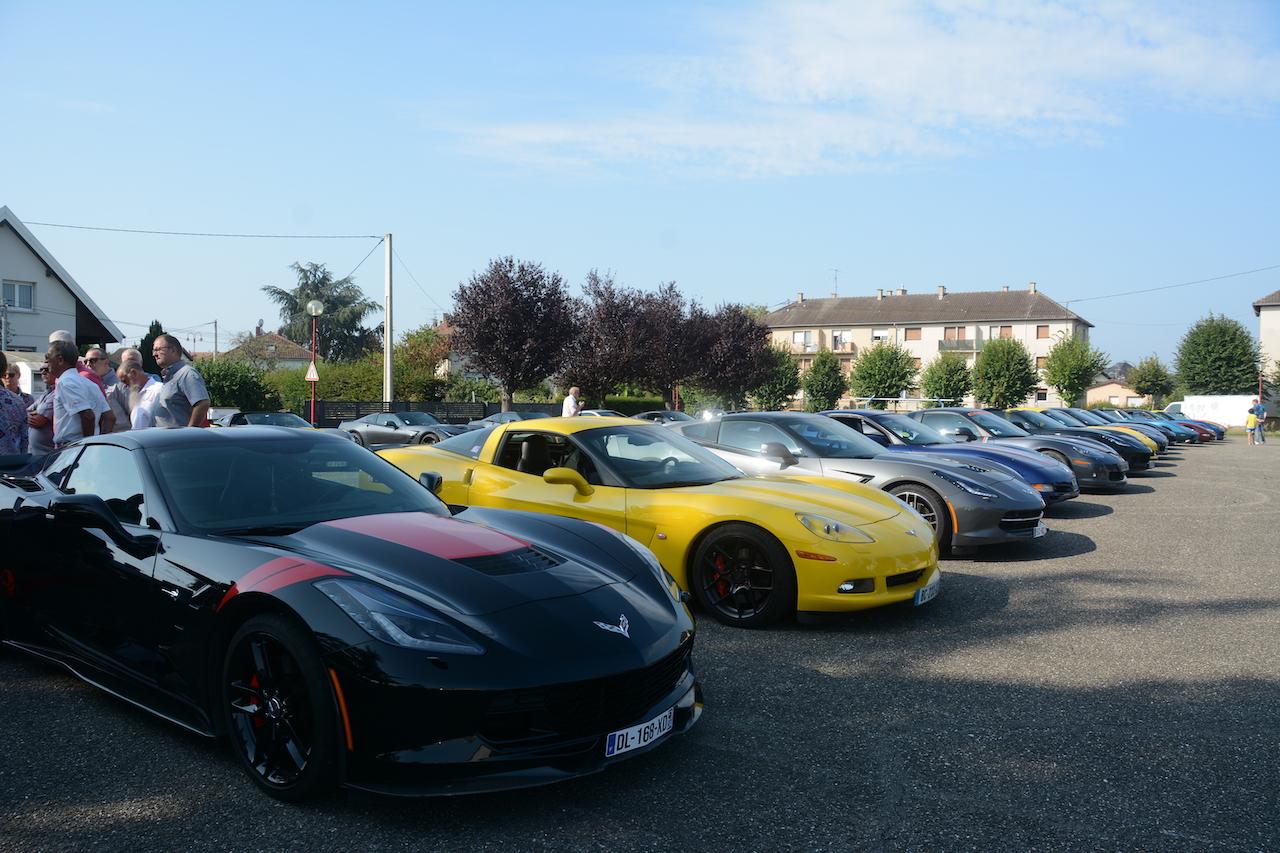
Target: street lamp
{"points": [[315, 308]]}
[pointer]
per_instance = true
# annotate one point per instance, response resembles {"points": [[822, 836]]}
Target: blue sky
{"points": [[740, 149]]}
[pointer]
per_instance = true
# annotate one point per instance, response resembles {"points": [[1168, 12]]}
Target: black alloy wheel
{"points": [[358, 437], [426, 438], [931, 507], [280, 710], [743, 577]]}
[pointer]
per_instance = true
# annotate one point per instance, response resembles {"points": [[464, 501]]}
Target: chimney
{"points": [[1004, 289], [942, 291], [879, 293], [902, 291], [800, 297], [1032, 288]]}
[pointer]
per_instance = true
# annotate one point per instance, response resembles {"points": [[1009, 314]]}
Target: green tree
{"points": [[414, 362], [823, 383], [781, 384], [239, 384], [465, 390], [1071, 367], [1003, 374], [884, 370], [738, 355], [148, 360], [1217, 355], [947, 377], [341, 334], [1152, 379]]}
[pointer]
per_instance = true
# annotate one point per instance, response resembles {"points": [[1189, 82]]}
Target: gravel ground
{"points": [[1113, 686]]}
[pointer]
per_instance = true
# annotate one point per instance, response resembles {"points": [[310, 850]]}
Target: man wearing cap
{"points": [[184, 399]]}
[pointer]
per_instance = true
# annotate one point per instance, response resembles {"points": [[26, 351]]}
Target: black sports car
{"points": [[400, 428], [330, 617]]}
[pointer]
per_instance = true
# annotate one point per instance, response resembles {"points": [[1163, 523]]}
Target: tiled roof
{"points": [[980, 306], [1270, 299], [283, 347]]}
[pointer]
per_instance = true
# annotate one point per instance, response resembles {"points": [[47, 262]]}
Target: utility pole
{"points": [[387, 333], [215, 338], [4, 326]]}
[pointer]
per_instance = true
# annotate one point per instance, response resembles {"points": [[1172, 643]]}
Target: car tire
{"points": [[426, 438], [358, 437], [929, 504], [1057, 457], [743, 577], [279, 709]]}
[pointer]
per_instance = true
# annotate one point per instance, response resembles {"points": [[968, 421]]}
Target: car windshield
{"points": [[284, 419], [1108, 416], [1040, 420], [911, 431], [277, 486], [831, 439], [647, 457], [996, 425], [673, 415], [1087, 418], [467, 443], [417, 418]]}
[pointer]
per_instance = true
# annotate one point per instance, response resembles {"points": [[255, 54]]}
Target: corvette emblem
{"points": [[623, 627]]}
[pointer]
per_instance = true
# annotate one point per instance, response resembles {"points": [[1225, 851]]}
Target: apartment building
{"points": [[926, 324]]}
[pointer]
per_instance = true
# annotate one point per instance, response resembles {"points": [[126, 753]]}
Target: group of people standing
{"points": [[1255, 421], [85, 396]]}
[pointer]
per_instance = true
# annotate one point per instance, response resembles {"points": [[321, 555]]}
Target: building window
{"points": [[846, 366], [1042, 332], [20, 294], [1041, 361], [842, 340], [911, 333], [916, 363], [1042, 395], [953, 333], [805, 364], [1114, 399], [879, 334], [802, 341], [1000, 332]]}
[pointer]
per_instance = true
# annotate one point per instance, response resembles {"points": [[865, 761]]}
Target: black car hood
{"points": [[470, 569]]}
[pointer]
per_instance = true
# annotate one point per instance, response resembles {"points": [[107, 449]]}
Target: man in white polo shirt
{"points": [[79, 407], [571, 407]]}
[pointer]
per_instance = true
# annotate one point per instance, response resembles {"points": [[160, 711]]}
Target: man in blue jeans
{"points": [[1260, 410]]}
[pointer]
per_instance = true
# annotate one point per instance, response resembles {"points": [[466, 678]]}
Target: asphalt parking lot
{"points": [[1113, 686]]}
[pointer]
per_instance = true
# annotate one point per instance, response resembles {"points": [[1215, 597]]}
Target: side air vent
{"points": [[27, 485]]}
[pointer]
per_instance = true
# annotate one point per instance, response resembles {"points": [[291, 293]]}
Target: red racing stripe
{"points": [[297, 574], [430, 534], [269, 577]]}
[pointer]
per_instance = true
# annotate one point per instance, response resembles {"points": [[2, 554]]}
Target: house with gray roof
{"points": [[926, 325]]}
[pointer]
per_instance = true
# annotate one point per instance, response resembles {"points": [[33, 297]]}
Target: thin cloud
{"points": [[812, 87]]}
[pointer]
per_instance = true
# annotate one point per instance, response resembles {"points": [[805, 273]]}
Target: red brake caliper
{"points": [[722, 586]]}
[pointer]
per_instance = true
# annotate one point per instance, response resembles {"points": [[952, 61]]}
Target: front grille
{"points": [[904, 578], [512, 562], [1115, 475], [1064, 487], [1021, 519], [583, 707]]}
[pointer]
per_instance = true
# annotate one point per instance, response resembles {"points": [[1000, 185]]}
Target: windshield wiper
{"points": [[264, 530]]}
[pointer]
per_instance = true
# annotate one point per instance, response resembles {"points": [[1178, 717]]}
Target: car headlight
{"points": [[966, 485], [397, 620], [830, 529]]}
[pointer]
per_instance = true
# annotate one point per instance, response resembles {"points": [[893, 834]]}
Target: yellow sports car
{"points": [[752, 550]]}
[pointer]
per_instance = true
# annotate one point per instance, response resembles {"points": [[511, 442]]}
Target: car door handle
{"points": [[172, 592]]}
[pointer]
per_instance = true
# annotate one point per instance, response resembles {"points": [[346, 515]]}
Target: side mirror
{"points": [[431, 481], [91, 512], [777, 450], [394, 425], [568, 477], [965, 434]]}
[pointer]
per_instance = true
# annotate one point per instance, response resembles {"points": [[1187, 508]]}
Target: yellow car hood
{"points": [[862, 504]]}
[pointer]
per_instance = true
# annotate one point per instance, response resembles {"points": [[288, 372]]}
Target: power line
{"points": [[365, 258], [1172, 286], [415, 280], [208, 233]]}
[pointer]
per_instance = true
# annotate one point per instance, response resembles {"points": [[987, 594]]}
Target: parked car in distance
{"points": [[600, 413], [967, 503], [1096, 417], [1094, 465], [665, 416], [505, 418], [1218, 429], [1202, 433], [1130, 449], [283, 419], [399, 428], [333, 622], [1154, 442]]}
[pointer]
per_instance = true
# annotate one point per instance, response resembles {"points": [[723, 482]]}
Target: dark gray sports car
{"points": [[399, 428]]}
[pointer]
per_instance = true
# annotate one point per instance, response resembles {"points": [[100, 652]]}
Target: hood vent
{"points": [[514, 562]]}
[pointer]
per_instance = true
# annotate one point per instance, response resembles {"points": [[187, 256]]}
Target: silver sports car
{"points": [[967, 503]]}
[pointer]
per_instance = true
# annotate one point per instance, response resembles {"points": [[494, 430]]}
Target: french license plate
{"points": [[929, 591], [1039, 531], [644, 734]]}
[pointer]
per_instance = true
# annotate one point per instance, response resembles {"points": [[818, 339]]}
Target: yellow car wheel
{"points": [[743, 577]]}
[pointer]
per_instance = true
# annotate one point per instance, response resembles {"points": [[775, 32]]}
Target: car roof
{"points": [[768, 416], [188, 437], [567, 426]]}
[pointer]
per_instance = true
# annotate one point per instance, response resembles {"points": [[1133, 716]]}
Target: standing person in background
{"points": [[571, 406], [144, 390], [1251, 425], [184, 399], [13, 381], [79, 407], [81, 368], [1260, 409], [13, 417], [98, 362], [40, 420]]}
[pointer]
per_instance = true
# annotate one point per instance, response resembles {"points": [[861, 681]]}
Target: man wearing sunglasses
{"points": [[98, 362], [183, 400], [40, 419]]}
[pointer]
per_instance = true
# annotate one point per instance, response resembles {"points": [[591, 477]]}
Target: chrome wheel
{"points": [[920, 504]]}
